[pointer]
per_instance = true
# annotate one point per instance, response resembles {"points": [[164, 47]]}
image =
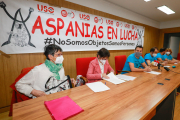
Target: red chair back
{"points": [[119, 62], [82, 65], [16, 96], [178, 56]]}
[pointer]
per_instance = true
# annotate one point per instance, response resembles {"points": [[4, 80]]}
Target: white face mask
{"points": [[59, 60], [154, 55], [167, 53], [103, 61]]}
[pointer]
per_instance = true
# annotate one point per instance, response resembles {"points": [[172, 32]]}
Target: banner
{"points": [[28, 26]]}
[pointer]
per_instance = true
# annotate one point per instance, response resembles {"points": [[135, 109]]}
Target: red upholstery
{"points": [[82, 65], [178, 56], [119, 62], [16, 96]]}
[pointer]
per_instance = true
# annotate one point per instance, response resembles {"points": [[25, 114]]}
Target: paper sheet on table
{"points": [[166, 66], [153, 72], [97, 86], [125, 77], [114, 79]]}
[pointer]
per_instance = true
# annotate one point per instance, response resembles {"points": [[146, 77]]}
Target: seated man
{"points": [[152, 56], [168, 56], [99, 67], [46, 78], [135, 60], [160, 55]]}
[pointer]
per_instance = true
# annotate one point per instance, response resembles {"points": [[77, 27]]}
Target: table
{"points": [[141, 98]]}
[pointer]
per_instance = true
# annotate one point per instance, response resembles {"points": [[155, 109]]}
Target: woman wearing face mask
{"points": [[168, 56], [99, 67], [44, 77]]}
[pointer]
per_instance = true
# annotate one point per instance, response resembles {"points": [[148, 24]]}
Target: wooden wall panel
{"points": [[168, 30], [11, 67]]}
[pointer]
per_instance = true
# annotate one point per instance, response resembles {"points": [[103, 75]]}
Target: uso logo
{"points": [[109, 22], [96, 20], [45, 9], [84, 17], [117, 24], [64, 13], [126, 25]]}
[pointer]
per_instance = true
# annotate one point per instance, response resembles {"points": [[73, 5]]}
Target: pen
{"points": [[105, 83]]}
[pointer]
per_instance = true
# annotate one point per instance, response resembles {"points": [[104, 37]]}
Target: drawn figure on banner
{"points": [[19, 31], [140, 36]]}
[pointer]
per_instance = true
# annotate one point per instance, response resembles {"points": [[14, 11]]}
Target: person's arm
{"points": [[159, 59], [133, 69], [24, 85], [90, 73], [148, 62], [110, 68]]}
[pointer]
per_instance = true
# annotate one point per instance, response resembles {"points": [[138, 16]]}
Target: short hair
{"points": [[103, 52], [153, 49], [139, 46], [162, 49], [51, 49], [169, 49]]}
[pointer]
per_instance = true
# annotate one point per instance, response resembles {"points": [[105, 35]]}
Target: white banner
{"points": [[28, 26]]}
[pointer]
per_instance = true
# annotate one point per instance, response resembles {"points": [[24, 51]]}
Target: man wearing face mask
{"points": [[161, 57], [150, 57], [44, 77], [135, 60], [99, 67]]}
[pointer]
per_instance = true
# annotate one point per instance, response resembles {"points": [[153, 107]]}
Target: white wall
{"points": [[170, 24], [174, 45], [110, 8]]}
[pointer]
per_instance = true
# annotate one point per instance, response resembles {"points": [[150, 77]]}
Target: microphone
{"points": [[166, 68]]}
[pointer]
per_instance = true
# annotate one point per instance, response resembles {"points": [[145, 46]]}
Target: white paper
{"points": [[113, 79], [125, 77], [166, 66], [97, 86], [153, 72], [175, 63]]}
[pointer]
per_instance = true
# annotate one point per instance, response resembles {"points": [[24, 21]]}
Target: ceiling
{"points": [[149, 9]]}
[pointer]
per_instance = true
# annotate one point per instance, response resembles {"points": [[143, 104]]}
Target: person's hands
{"points": [[105, 76], [147, 69], [175, 61], [165, 63], [73, 81], [37, 93]]}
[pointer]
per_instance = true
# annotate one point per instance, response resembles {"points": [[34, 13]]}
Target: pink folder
{"points": [[62, 108]]}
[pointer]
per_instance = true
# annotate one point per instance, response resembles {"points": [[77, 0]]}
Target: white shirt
{"points": [[37, 78], [101, 67]]}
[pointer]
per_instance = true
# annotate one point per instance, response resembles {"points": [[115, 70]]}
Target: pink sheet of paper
{"points": [[62, 108]]}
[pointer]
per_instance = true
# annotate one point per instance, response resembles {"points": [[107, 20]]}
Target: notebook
{"points": [[62, 108]]}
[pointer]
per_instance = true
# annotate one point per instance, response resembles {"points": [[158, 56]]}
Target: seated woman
{"points": [[46, 78], [168, 56], [99, 67]]}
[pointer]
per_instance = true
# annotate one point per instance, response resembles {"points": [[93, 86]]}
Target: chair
{"points": [[82, 65], [119, 63], [178, 56], [17, 96]]}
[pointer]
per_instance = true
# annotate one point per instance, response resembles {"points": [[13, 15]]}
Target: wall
{"points": [[170, 24], [111, 8], [11, 67]]}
